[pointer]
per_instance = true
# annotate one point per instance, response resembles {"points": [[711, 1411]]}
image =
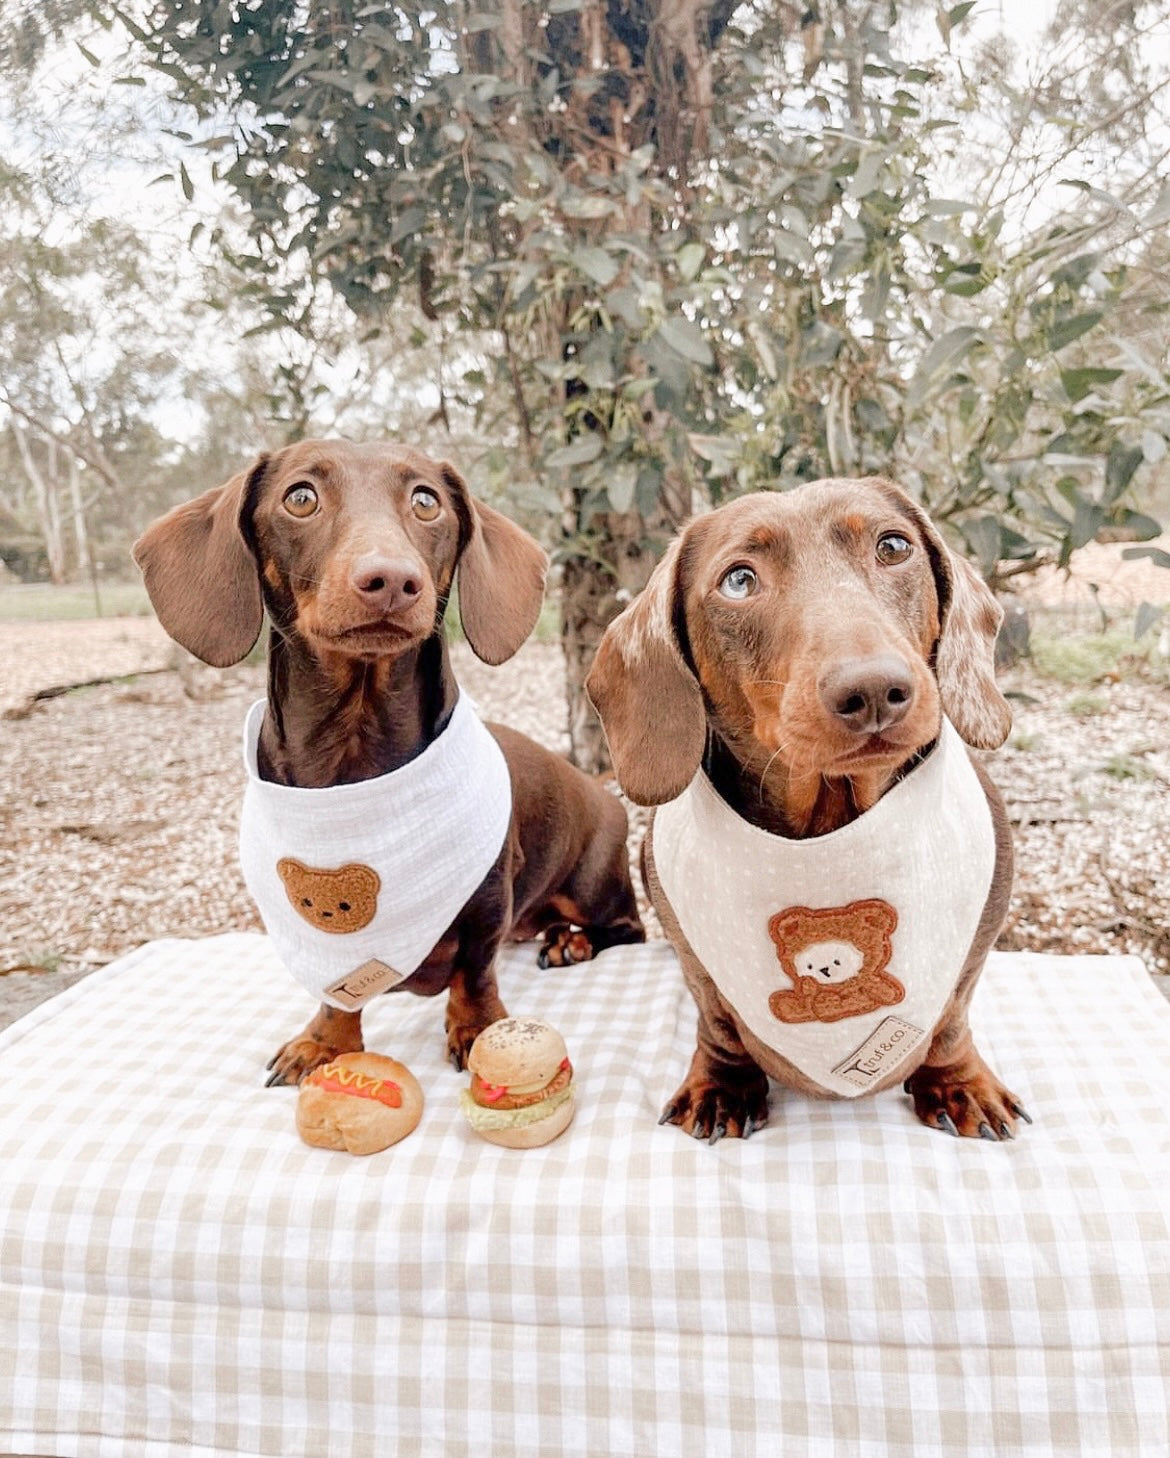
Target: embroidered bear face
{"points": [[830, 961], [836, 958], [343, 900]]}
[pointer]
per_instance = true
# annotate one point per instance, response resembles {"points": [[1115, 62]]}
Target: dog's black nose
{"points": [[386, 584], [868, 694]]}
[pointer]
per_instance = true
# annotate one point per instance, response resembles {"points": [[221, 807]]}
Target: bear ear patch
{"points": [[290, 870], [879, 915]]}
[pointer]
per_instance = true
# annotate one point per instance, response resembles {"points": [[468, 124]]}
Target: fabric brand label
{"points": [[364, 982], [886, 1046]]}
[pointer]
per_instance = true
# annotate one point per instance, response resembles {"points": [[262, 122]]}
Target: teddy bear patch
{"points": [[836, 959], [343, 900]]}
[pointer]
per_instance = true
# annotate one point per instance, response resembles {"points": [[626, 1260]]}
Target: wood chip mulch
{"points": [[119, 803]]}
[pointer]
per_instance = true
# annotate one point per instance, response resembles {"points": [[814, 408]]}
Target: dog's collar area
{"points": [[889, 807], [434, 762], [890, 903], [357, 883]]}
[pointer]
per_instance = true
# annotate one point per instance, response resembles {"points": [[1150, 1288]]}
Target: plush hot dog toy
{"points": [[361, 1102], [521, 1091]]}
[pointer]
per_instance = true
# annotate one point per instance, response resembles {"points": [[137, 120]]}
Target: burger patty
{"points": [[560, 1080]]}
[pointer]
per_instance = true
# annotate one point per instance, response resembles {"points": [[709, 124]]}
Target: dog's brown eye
{"points": [[893, 548], [424, 503], [300, 500], [739, 583]]}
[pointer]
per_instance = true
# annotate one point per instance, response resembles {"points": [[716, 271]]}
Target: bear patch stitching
{"points": [[836, 958], [338, 901]]}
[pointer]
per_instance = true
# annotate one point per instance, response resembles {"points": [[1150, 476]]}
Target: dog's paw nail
{"points": [[946, 1122], [906, 1087], [699, 1131], [275, 1080], [1005, 1131], [986, 1132], [1021, 1113], [717, 1133]]}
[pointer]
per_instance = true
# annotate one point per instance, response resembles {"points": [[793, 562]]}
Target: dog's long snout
{"points": [[868, 695], [386, 584]]}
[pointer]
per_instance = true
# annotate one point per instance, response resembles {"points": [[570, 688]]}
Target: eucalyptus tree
{"points": [[698, 247]]}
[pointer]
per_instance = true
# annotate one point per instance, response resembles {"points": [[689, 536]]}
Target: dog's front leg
{"points": [[956, 1091], [329, 1033], [473, 1003], [725, 1091], [473, 998]]}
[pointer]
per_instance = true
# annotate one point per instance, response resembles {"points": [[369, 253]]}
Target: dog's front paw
{"points": [[706, 1109], [463, 1031], [299, 1056], [563, 946], [966, 1100]]}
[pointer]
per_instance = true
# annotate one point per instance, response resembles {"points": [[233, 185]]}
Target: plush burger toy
{"points": [[521, 1092]]}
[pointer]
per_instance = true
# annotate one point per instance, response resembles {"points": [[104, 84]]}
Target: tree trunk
{"points": [[45, 497], [641, 76], [593, 592], [81, 533], [595, 587]]}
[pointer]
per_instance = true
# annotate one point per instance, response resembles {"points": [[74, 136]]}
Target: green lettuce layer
{"points": [[480, 1118]]}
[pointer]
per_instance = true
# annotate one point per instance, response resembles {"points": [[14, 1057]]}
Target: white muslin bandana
{"points": [[357, 883], [838, 952]]}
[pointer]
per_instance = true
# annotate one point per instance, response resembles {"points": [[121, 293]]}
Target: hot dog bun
{"points": [[361, 1102]]}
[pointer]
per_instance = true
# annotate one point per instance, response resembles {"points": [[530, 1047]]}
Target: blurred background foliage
{"points": [[618, 260]]}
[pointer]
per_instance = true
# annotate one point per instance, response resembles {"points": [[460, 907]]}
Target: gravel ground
{"points": [[118, 804]]}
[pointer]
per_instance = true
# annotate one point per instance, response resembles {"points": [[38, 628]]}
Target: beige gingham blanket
{"points": [[180, 1274]]}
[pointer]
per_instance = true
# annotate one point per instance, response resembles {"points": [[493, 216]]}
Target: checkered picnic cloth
{"points": [[180, 1274]]}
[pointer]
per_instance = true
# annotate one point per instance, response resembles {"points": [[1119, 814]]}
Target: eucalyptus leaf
{"points": [[1160, 212], [621, 485], [1155, 554], [584, 205], [690, 259], [983, 535], [1120, 465], [1149, 615], [579, 452], [596, 264], [686, 339], [1137, 525], [1064, 332], [1078, 383], [945, 352]]}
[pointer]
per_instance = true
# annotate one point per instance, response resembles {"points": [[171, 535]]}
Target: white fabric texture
{"points": [[429, 832], [926, 850], [179, 1274]]}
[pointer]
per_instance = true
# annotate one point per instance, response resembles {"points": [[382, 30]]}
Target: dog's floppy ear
{"points": [[965, 660], [648, 700], [965, 656], [201, 575], [501, 577]]}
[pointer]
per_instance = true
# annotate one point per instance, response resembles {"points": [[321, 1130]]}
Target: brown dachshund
{"points": [[353, 549], [801, 648]]}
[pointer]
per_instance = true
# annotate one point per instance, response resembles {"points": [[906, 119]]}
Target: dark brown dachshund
{"points": [[802, 647], [353, 550]]}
